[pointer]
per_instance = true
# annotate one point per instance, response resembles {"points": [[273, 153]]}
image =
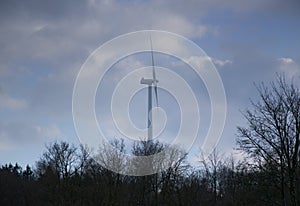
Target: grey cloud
{"points": [[54, 9], [7, 102], [17, 133], [59, 35], [213, 6], [289, 67]]}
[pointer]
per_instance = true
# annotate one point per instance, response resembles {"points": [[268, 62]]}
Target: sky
{"points": [[43, 45]]}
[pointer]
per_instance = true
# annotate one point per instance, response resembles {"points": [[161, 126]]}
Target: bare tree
{"points": [[61, 158], [212, 164], [168, 163], [112, 155], [172, 179], [85, 159], [272, 135], [113, 159], [148, 185]]}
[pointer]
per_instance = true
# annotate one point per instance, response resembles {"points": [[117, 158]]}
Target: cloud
{"points": [[47, 131], [8, 102], [220, 62], [204, 60], [46, 32], [178, 24], [286, 61], [16, 133], [289, 66]]}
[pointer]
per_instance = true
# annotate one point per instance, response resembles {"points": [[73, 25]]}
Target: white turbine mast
{"points": [[151, 83]]}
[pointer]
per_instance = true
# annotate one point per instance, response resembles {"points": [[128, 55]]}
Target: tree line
{"points": [[268, 175]]}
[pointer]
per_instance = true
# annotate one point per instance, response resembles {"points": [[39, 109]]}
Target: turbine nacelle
{"points": [[149, 82]]}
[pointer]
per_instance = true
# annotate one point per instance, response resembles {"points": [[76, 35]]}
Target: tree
{"points": [[272, 134], [173, 178], [28, 173], [147, 187], [112, 156], [169, 162], [61, 158], [213, 164], [55, 170]]}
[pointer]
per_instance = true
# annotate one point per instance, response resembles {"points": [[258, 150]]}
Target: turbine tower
{"points": [[151, 83]]}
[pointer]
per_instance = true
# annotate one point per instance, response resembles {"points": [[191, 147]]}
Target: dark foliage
{"points": [[88, 183]]}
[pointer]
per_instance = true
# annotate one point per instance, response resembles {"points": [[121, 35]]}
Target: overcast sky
{"points": [[44, 43]]}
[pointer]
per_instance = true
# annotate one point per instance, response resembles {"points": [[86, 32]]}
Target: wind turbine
{"points": [[151, 83]]}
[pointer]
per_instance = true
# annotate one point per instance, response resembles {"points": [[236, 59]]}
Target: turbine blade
{"points": [[152, 58], [156, 97], [153, 73]]}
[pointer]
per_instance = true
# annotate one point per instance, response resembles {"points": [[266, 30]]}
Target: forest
{"points": [[268, 174]]}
